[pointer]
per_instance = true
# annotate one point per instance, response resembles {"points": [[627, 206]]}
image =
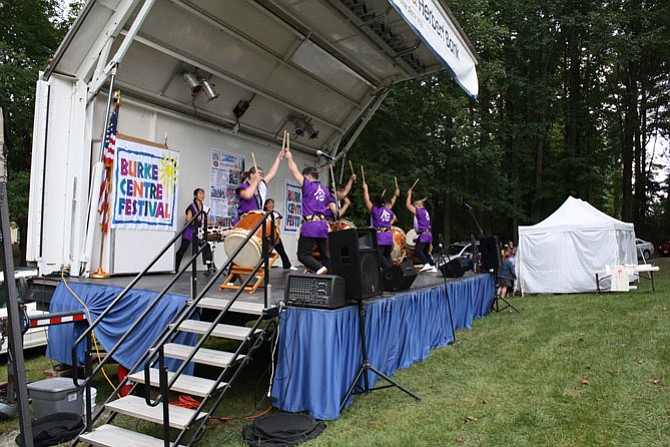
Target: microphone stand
{"points": [[441, 262]]}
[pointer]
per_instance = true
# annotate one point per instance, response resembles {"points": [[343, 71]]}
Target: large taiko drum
{"points": [[398, 252], [341, 224], [252, 251]]}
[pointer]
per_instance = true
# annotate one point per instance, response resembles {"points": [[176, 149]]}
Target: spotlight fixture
{"points": [[303, 126], [191, 82], [211, 93]]}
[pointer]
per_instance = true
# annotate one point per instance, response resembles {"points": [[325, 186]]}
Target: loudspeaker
{"points": [[489, 249], [353, 256], [455, 268], [399, 277]]}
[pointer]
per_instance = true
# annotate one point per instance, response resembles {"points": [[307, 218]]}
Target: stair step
{"points": [[136, 407], [243, 307], [205, 356], [113, 436], [221, 330], [195, 386]]}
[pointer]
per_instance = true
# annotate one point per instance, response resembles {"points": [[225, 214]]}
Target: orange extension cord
{"points": [[191, 403]]}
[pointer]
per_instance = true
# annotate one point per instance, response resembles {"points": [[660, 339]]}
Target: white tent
{"points": [[562, 253]]}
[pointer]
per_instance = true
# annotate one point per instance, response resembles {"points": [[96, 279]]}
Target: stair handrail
{"points": [[176, 322], [172, 329], [124, 292]]}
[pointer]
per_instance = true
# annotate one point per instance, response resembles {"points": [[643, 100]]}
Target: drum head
{"points": [[250, 254], [409, 240]]}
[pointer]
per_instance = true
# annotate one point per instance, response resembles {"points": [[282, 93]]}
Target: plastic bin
{"points": [[57, 395]]}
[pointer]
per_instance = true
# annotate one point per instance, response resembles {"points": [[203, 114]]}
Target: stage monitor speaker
{"points": [[399, 277], [310, 290], [353, 256], [455, 268], [489, 250]]}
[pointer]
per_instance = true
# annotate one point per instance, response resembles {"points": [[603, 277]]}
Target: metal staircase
{"points": [[182, 426]]}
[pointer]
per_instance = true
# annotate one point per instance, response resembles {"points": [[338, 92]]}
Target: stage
{"points": [[319, 351]]}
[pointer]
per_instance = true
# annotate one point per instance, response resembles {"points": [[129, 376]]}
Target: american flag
{"points": [[108, 160]]}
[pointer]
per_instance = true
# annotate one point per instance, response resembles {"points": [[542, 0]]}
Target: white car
{"points": [[460, 249], [33, 337], [644, 249]]}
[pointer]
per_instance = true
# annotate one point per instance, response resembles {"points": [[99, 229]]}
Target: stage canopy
{"points": [[562, 253], [318, 67]]}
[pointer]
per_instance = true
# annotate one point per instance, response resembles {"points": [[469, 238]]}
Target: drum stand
{"points": [[236, 274], [365, 366]]}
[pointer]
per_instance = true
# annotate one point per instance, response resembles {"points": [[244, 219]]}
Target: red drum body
{"points": [[398, 252], [252, 251], [340, 225]]}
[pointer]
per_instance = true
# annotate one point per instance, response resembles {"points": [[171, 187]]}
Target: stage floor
{"points": [[156, 282]]}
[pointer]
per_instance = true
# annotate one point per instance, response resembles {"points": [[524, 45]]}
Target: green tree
{"points": [[31, 32]]}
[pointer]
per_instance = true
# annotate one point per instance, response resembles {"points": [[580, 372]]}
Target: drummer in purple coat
{"points": [[316, 199], [251, 193], [422, 228], [381, 219]]}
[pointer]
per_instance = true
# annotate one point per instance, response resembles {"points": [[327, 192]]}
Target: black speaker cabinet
{"points": [[399, 277], [353, 256], [455, 268], [489, 250]]}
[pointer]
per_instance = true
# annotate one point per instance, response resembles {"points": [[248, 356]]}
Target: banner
{"points": [[293, 216], [225, 175], [145, 186], [435, 28]]}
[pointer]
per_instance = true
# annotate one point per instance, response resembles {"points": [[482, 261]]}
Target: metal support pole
{"points": [[15, 349]]}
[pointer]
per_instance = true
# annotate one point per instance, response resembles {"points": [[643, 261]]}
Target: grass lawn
{"points": [[570, 370]]}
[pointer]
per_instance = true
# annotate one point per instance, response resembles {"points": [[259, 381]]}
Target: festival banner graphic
{"points": [[145, 186], [225, 175], [293, 216]]}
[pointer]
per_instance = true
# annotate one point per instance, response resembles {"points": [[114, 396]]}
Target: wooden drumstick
{"points": [[253, 157], [415, 182], [351, 166], [363, 174], [395, 179], [383, 192], [288, 140]]}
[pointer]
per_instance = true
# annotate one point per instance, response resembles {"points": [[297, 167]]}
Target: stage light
{"points": [[191, 82], [211, 93], [303, 126]]}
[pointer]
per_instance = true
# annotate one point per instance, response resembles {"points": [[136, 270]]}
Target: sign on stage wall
{"points": [[145, 185], [225, 175], [293, 208]]}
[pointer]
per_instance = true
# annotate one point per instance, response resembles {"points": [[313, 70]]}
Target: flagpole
{"points": [[101, 273]]}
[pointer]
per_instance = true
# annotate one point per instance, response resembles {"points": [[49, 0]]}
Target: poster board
{"points": [[293, 207], [127, 239], [225, 174]]}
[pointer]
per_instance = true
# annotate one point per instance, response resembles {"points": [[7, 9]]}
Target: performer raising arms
{"points": [[253, 189], [341, 194], [422, 228], [315, 201], [381, 219]]}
